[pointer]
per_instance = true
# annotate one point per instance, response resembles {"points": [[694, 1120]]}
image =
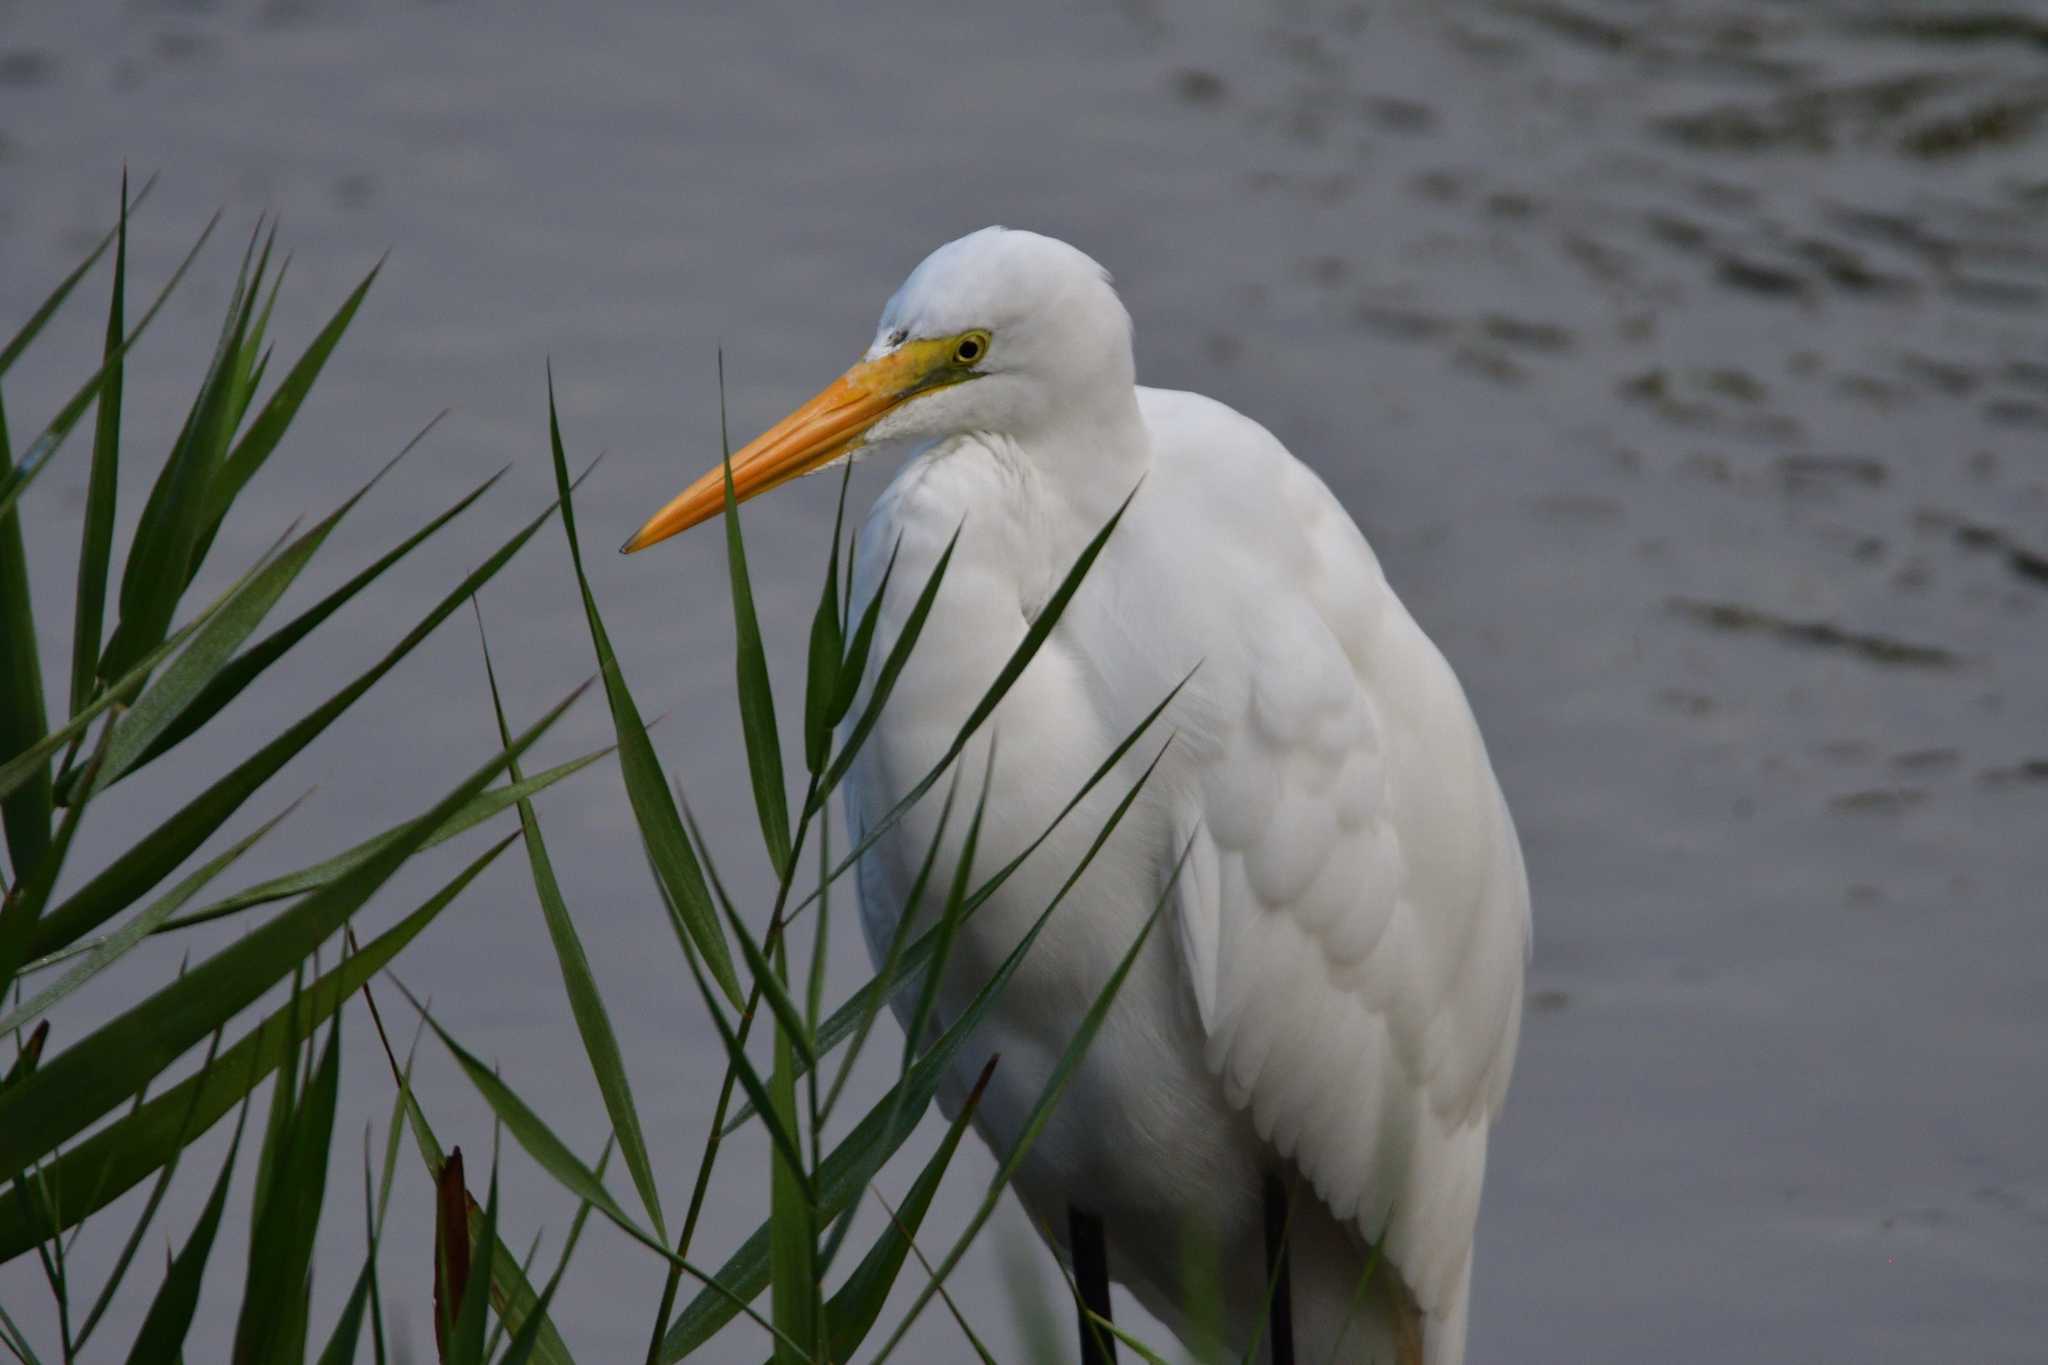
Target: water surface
{"points": [[1687, 365]]}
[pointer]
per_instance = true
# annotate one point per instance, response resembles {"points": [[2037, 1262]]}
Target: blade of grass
{"points": [[113, 1160], [284, 1097], [1020, 658], [25, 810], [736, 1067], [881, 986], [524, 1342], [117, 945], [273, 1321], [312, 878], [512, 1295], [237, 673], [162, 1335], [981, 1351], [782, 1135], [348, 1328], [1048, 1098], [392, 1134], [254, 359], [858, 1303], [827, 650], [593, 1021], [528, 1337], [527, 1127], [24, 765], [554, 1157], [501, 1330], [1102, 1332], [944, 932], [814, 995], [892, 667], [767, 981], [50, 1255], [15, 1340], [160, 701], [948, 926], [654, 809], [1037, 1321], [376, 1206], [736, 1064], [1375, 1253], [757, 698], [848, 1168], [846, 683], [159, 555], [268, 429], [498, 1332], [54, 300], [1123, 1334], [814, 989], [482, 808], [856, 1165], [70, 1092], [37, 453], [857, 1014], [1253, 1351], [165, 701], [792, 1219], [151, 858], [27, 1054], [140, 1227], [23, 905], [96, 536], [250, 326]]}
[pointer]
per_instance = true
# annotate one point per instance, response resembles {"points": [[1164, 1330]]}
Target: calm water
{"points": [[1684, 362]]}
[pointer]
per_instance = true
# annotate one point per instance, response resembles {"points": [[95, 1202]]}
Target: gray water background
{"points": [[1680, 360]]}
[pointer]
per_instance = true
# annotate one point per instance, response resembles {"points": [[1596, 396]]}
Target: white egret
{"points": [[1339, 998]]}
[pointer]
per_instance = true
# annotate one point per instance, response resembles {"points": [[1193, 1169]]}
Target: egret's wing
{"points": [[1354, 915]]}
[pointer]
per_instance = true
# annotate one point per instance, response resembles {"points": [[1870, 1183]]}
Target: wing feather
{"points": [[1354, 915]]}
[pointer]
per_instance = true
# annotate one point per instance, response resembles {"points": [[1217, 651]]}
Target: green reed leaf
{"points": [[586, 1004], [858, 1302], [147, 861], [757, 698], [96, 536], [102, 1167], [162, 1335], [71, 1091], [654, 809]]}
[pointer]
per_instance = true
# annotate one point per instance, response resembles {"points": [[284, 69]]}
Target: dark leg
{"points": [[1281, 1331], [1091, 1275]]}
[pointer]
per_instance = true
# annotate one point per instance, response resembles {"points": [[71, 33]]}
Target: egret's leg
{"points": [[1091, 1276], [1280, 1331]]}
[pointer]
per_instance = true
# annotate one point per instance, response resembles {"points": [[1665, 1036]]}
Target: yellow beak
{"points": [[822, 430]]}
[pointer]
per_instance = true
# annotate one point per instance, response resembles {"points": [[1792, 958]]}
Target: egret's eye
{"points": [[970, 348]]}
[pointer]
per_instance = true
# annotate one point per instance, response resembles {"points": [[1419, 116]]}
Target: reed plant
{"points": [[84, 1122]]}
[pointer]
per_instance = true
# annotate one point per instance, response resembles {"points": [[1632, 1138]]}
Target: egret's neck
{"points": [[1027, 496], [1082, 460]]}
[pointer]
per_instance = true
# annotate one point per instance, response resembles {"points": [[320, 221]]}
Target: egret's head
{"points": [[1000, 331]]}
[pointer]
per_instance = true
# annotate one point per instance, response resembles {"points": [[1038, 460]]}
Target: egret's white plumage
{"points": [[1338, 995]]}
